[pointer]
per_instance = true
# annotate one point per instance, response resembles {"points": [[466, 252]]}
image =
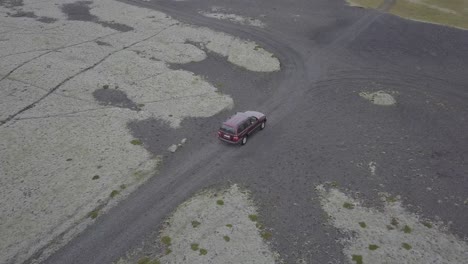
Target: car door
{"points": [[253, 124], [242, 129]]}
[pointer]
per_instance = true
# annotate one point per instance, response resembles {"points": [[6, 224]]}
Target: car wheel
{"points": [[244, 140], [262, 126]]}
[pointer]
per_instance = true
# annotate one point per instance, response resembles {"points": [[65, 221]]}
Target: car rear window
{"points": [[227, 129]]}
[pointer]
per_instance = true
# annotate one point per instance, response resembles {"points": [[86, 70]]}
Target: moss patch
{"points": [[166, 240], [266, 235], [407, 229], [373, 247], [114, 193], [195, 224], [348, 205], [226, 238], [203, 251], [362, 224], [147, 260], [194, 246], [220, 202], [136, 142], [253, 217], [93, 214], [406, 246], [427, 224], [357, 259]]}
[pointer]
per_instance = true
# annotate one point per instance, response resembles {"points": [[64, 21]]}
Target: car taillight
{"points": [[235, 138], [219, 133]]}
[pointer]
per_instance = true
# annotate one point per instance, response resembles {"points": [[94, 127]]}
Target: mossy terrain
{"points": [[452, 13], [366, 3]]}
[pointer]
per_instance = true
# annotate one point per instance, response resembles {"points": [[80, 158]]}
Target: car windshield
{"points": [[227, 129]]}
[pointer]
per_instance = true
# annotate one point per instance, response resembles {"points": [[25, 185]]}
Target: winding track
{"points": [[304, 75], [125, 225]]}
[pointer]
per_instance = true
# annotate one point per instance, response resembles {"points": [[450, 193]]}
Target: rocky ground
{"points": [[108, 118], [74, 74]]}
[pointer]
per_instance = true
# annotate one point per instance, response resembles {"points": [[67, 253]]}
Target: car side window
{"points": [[243, 126], [253, 119], [240, 128]]}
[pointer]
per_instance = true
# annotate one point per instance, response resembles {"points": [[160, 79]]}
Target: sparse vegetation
{"points": [[362, 224], [450, 13], [348, 205], [166, 240], [334, 184], [259, 226], [95, 177], [394, 222], [168, 251], [266, 235], [357, 259], [227, 238], [427, 224], [114, 193], [220, 202], [139, 174], [391, 199], [194, 246], [105, 86], [195, 224], [93, 214], [123, 186], [203, 251], [229, 225], [253, 217], [140, 105], [406, 246], [373, 247], [147, 260], [136, 142], [407, 229], [367, 3]]}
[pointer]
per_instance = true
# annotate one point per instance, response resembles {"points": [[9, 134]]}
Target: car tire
{"points": [[244, 140], [262, 126]]}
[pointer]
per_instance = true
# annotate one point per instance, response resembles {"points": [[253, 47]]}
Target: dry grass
{"points": [[452, 13]]}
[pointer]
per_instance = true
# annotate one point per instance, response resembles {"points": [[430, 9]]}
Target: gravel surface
{"points": [[319, 127]]}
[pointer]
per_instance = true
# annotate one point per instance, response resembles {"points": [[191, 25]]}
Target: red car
{"points": [[240, 126]]}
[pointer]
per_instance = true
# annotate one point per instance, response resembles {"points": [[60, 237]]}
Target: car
{"points": [[238, 128]]}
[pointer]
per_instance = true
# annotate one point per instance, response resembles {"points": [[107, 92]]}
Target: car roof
{"points": [[236, 119]]}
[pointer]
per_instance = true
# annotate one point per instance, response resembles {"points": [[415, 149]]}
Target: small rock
{"points": [[172, 148], [183, 141], [379, 98]]}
